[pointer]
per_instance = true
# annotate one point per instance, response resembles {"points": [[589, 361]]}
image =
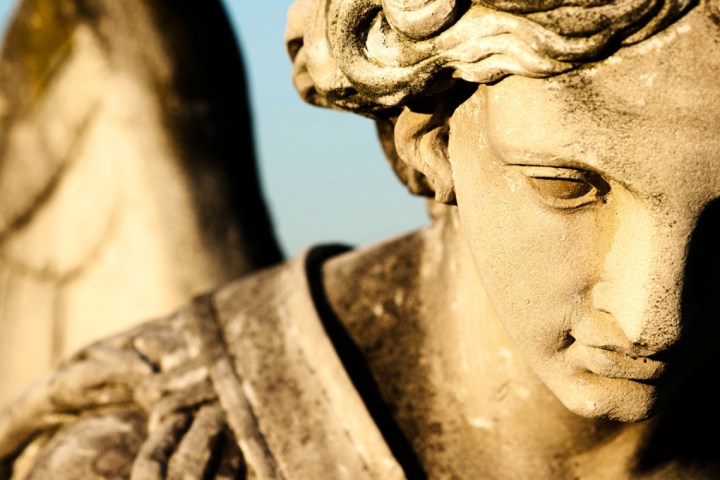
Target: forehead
{"points": [[651, 107]]}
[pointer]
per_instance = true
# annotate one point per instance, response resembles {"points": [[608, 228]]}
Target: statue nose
{"points": [[643, 281]]}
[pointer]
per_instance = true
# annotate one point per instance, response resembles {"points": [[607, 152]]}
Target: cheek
{"points": [[536, 263]]}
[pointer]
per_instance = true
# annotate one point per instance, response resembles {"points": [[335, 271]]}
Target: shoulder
{"points": [[288, 379], [141, 404], [243, 382]]}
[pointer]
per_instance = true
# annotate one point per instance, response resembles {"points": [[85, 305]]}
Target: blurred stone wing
{"points": [[127, 174]]}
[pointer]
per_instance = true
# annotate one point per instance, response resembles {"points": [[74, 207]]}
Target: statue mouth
{"points": [[615, 363]]}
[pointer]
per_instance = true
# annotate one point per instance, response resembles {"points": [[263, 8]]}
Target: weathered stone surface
{"points": [[564, 295], [556, 321], [244, 382]]}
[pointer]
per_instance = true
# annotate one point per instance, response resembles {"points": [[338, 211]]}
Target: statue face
{"points": [[587, 201]]}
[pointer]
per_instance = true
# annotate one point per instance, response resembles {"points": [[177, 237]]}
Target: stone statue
{"points": [[556, 321], [127, 177]]}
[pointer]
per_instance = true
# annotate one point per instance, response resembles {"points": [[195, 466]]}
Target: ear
{"points": [[421, 140]]}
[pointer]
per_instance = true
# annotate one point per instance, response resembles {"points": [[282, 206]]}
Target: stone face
{"points": [[572, 281], [556, 321]]}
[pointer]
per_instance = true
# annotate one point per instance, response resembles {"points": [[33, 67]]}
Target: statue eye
{"points": [[566, 188], [562, 189]]}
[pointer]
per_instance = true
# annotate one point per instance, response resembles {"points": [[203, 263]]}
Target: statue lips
{"points": [[615, 363]]}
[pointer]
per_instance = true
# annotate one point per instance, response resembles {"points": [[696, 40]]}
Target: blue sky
{"points": [[323, 172]]}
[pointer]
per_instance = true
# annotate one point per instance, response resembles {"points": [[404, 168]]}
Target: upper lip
{"points": [[616, 362], [634, 351], [631, 351], [601, 331]]}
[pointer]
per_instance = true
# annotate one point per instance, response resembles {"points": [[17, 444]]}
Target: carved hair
{"points": [[372, 56]]}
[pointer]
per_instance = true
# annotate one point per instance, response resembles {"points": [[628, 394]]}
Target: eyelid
{"points": [[560, 173], [569, 173], [598, 186]]}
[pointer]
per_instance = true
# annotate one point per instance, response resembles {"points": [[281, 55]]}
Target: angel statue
{"points": [[557, 319]]}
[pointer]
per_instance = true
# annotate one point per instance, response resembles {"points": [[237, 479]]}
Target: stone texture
{"points": [[557, 320]]}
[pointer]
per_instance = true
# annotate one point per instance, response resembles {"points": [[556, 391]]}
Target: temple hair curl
{"points": [[372, 55]]}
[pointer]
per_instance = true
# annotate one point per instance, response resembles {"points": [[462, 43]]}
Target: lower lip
{"points": [[607, 363]]}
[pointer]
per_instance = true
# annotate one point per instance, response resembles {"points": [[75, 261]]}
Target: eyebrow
{"points": [[520, 157], [593, 162]]}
